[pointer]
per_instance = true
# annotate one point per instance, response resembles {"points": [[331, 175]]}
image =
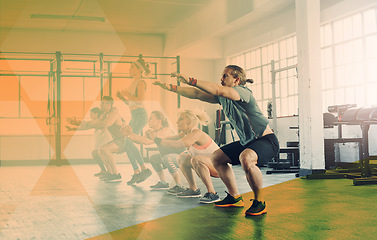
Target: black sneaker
{"points": [[175, 190], [144, 174], [209, 198], [230, 201], [114, 178], [160, 186], [257, 208], [189, 193], [134, 179]]}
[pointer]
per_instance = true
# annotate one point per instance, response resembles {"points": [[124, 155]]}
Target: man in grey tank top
{"points": [[258, 144]]}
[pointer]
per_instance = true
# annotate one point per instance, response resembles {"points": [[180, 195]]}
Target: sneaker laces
{"points": [[255, 202], [207, 195]]}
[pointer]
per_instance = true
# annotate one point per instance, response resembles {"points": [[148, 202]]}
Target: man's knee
{"points": [[248, 159]]}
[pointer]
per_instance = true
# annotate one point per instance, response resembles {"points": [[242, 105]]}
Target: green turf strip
{"points": [[297, 209]]}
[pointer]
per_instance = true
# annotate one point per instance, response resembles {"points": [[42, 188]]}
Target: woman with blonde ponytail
{"points": [[199, 146]]}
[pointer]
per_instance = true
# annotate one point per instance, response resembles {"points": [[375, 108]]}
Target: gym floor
{"points": [[68, 202]]}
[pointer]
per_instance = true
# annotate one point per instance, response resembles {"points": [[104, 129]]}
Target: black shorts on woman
{"points": [[266, 147]]}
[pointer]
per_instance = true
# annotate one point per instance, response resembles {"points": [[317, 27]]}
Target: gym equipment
{"points": [[364, 117], [340, 109], [330, 121], [221, 127], [289, 165]]}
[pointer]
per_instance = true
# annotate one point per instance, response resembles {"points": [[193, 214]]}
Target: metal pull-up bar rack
{"points": [[57, 72]]}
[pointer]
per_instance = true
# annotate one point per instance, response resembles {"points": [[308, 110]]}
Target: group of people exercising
{"points": [[190, 149]]}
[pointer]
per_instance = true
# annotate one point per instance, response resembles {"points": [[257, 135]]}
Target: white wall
{"points": [[284, 133], [32, 147], [263, 32]]}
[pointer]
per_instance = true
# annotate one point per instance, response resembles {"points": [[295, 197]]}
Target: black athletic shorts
{"points": [[266, 147]]}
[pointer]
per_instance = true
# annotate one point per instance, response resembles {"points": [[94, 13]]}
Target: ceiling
{"points": [[128, 16], [185, 25]]}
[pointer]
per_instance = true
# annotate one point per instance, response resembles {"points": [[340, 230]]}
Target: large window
{"points": [[348, 65], [257, 64], [349, 60], [24, 85]]}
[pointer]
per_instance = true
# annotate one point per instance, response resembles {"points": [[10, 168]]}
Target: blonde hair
{"points": [[196, 115]]}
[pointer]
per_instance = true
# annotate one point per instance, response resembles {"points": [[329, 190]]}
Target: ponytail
{"points": [[196, 115], [203, 117]]}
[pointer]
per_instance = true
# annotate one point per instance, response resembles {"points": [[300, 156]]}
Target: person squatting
{"points": [[191, 150]]}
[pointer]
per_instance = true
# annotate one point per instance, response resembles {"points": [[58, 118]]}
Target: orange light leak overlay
{"points": [[27, 102]]}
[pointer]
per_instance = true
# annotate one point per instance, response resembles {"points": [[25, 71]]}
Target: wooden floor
{"points": [[68, 202]]}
